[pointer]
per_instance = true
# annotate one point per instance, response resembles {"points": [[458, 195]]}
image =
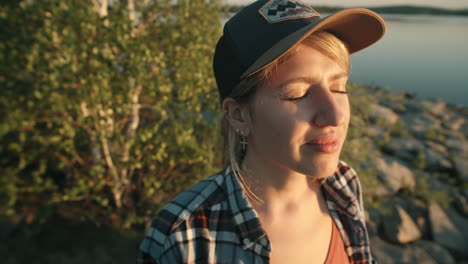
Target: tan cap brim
{"points": [[357, 27]]}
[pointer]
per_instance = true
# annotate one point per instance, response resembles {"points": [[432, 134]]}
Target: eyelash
{"points": [[340, 92], [307, 93]]}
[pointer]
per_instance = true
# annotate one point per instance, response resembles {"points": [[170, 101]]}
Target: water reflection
{"points": [[427, 55]]}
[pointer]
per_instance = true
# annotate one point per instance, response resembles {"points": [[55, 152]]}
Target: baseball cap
{"points": [[266, 29]]}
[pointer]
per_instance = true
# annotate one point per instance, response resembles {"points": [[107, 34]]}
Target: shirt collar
{"points": [[337, 188], [245, 217]]}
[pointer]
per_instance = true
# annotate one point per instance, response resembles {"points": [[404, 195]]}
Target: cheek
{"points": [[276, 115], [272, 121]]}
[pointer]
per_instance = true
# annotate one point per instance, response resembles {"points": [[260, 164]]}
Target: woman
{"points": [[284, 196]]}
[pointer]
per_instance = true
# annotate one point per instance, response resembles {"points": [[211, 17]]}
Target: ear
{"points": [[238, 115]]}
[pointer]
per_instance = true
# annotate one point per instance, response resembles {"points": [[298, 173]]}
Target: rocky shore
{"points": [[413, 158]]}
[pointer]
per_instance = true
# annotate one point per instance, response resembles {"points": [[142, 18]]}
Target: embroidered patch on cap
{"points": [[279, 10]]}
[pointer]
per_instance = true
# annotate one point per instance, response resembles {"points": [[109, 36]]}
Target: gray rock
{"points": [[372, 221], [461, 166], [415, 105], [437, 252], [445, 232], [415, 254], [461, 204], [436, 146], [399, 227], [386, 115], [457, 146], [386, 253], [420, 123], [454, 123], [464, 129], [447, 116], [459, 221], [452, 134], [397, 106], [436, 161], [404, 148], [394, 174], [437, 108], [417, 209]]}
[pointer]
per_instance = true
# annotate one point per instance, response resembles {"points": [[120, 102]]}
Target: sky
{"points": [[451, 4]]}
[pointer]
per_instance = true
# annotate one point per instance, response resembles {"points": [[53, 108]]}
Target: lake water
{"points": [[426, 55], [422, 54]]}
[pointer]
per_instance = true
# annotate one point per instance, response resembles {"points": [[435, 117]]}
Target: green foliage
{"points": [[359, 149], [399, 130], [49, 243], [434, 134], [420, 161], [105, 111], [428, 189]]}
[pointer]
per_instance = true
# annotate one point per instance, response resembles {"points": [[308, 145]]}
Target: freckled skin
{"points": [[300, 104]]}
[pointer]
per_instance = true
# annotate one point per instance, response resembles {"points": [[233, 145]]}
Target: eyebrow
{"points": [[307, 79]]}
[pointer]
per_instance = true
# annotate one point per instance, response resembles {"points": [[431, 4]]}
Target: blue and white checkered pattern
{"points": [[213, 222]]}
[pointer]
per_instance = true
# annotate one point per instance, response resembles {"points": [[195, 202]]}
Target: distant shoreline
{"points": [[398, 9]]}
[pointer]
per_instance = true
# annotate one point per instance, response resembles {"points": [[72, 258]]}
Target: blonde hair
{"points": [[244, 92]]}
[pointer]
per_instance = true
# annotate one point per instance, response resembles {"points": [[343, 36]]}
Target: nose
{"points": [[330, 108]]}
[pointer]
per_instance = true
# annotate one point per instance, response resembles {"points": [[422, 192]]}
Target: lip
{"points": [[327, 146]]}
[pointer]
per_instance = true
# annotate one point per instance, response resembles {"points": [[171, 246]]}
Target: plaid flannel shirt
{"points": [[213, 222]]}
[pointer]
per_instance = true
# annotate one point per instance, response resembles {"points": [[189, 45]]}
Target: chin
{"points": [[320, 169]]}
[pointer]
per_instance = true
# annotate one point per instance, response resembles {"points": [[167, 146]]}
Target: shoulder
{"points": [[165, 231], [204, 194]]}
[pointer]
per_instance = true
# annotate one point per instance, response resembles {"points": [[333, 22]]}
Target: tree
{"points": [[107, 108]]}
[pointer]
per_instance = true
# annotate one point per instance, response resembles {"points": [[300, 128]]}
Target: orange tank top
{"points": [[336, 251]]}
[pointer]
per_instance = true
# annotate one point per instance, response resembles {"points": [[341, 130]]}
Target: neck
{"points": [[281, 190]]}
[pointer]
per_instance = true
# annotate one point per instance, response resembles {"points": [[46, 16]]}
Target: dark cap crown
{"points": [[266, 29]]}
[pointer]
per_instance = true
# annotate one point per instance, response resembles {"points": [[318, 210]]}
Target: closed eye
{"points": [[338, 91], [293, 99]]}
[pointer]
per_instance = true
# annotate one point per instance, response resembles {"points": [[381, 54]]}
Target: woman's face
{"points": [[300, 116]]}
